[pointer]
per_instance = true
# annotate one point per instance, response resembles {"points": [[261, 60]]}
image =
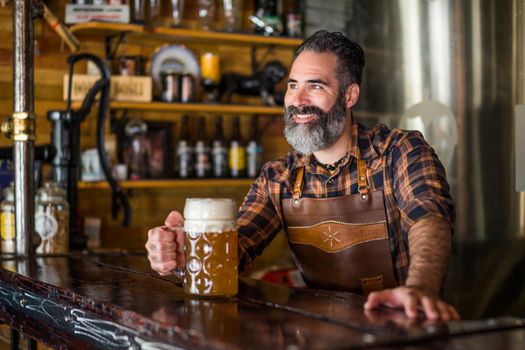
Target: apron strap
{"points": [[362, 181], [298, 184]]}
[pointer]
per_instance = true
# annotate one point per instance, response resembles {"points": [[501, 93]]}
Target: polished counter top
{"points": [[114, 301]]}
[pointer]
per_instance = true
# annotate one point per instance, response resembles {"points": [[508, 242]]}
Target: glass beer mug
{"points": [[210, 247]]}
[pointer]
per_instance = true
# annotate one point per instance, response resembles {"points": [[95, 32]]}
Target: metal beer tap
{"points": [[66, 140], [64, 151]]}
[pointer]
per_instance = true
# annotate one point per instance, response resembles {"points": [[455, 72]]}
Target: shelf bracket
{"points": [[111, 51], [256, 65], [115, 119]]}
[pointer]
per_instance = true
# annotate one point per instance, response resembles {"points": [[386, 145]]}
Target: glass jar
{"points": [[7, 221], [205, 13], [52, 219]]}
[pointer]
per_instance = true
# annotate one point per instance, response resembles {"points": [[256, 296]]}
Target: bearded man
{"points": [[364, 210]]}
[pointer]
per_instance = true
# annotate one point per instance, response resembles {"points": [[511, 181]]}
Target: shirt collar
{"points": [[361, 146]]}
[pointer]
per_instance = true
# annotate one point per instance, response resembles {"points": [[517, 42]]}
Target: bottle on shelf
{"points": [[267, 12], [292, 19], [52, 219], [184, 151], [7, 220], [205, 13], [254, 150], [219, 152], [210, 76], [137, 160], [236, 151], [202, 151], [155, 17], [139, 11]]}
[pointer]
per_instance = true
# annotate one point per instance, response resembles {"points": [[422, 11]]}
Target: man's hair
{"points": [[350, 56]]}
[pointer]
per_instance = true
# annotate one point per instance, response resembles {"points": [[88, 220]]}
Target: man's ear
{"points": [[351, 95]]}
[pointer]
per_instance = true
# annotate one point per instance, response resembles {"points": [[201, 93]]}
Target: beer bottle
{"points": [[184, 152], [219, 153], [236, 152], [7, 221], [202, 151], [253, 150], [292, 19]]}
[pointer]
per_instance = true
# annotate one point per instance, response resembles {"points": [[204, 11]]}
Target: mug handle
{"points": [[180, 272]]}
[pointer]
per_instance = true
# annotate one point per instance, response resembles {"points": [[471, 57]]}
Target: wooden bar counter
{"points": [[114, 301]]}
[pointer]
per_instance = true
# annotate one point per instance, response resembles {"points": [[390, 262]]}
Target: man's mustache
{"points": [[313, 110]]}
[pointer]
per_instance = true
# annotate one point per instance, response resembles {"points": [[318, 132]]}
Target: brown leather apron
{"points": [[342, 242]]}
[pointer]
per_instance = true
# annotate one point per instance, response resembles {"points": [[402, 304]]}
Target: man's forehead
{"points": [[311, 64]]}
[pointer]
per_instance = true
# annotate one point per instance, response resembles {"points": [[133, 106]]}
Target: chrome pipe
{"points": [[519, 98], [23, 121]]}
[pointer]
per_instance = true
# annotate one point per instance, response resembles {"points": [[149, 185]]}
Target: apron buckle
{"points": [[371, 284], [363, 190]]}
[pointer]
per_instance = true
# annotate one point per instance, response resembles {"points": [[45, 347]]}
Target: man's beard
{"points": [[319, 134]]}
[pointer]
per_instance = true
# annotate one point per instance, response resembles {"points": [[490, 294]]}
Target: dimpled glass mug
{"points": [[210, 247]]}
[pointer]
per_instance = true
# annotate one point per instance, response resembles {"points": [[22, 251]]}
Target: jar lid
{"points": [[50, 190], [210, 209], [9, 192]]}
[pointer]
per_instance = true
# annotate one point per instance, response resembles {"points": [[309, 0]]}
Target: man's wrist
{"points": [[423, 288]]}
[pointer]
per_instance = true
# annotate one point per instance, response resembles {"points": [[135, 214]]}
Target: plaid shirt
{"points": [[399, 163]]}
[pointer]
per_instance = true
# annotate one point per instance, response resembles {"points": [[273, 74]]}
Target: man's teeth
{"points": [[304, 116]]}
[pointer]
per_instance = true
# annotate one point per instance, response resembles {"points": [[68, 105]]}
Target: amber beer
{"points": [[210, 247]]}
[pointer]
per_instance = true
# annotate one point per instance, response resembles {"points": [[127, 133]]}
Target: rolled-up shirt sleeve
{"points": [[258, 222], [420, 184]]}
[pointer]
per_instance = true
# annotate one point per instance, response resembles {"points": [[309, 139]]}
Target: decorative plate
{"points": [[173, 58]]}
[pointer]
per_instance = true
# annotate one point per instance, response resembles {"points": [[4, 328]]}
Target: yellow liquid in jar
{"points": [[211, 263]]}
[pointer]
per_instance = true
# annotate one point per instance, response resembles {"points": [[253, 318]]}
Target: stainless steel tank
{"points": [[454, 70]]}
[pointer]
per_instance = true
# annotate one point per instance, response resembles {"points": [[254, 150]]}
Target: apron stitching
{"points": [[339, 222], [339, 250]]}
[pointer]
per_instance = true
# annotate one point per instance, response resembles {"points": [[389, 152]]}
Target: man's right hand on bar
{"points": [[165, 245]]}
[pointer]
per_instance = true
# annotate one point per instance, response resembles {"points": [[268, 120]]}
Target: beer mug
{"points": [[210, 247]]}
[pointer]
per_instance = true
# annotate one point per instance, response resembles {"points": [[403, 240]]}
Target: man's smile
{"points": [[304, 118]]}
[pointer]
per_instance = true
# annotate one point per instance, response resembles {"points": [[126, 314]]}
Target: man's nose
{"points": [[300, 98]]}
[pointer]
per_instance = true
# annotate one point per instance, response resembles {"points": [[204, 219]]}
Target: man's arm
{"points": [[258, 222], [427, 213], [429, 244]]}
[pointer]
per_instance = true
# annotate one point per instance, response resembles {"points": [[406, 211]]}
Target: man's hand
{"points": [[411, 299], [429, 241], [165, 245]]}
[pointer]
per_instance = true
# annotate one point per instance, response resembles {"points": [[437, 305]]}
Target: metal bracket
{"points": [[20, 126], [255, 64], [109, 51]]}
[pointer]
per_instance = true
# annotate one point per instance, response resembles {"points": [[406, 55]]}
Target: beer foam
{"points": [[210, 226], [210, 209]]}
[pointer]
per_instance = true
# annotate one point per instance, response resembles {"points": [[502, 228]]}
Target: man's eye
{"points": [[316, 86], [292, 85]]}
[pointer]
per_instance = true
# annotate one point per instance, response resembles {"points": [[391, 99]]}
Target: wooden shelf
{"points": [[197, 107], [175, 183], [192, 35], [192, 107], [105, 28]]}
